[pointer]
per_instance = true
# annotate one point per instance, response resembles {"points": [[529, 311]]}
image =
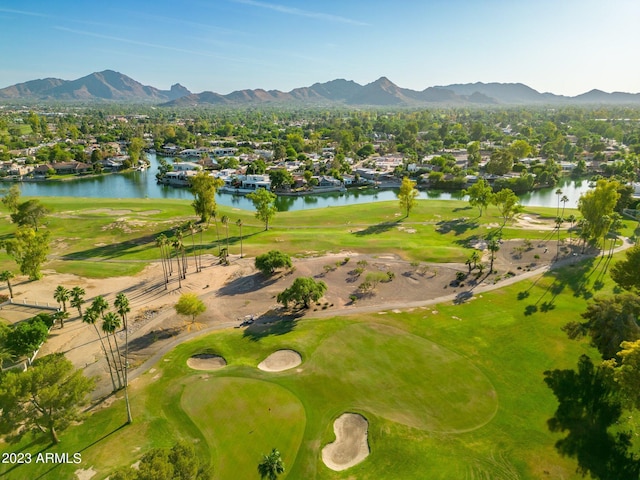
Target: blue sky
{"points": [[562, 46]]}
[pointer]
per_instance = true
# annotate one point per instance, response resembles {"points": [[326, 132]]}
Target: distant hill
{"points": [[105, 85], [113, 86]]}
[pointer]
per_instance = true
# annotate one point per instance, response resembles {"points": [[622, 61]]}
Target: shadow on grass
{"points": [[95, 442], [264, 327], [377, 228], [459, 226], [247, 284], [462, 209]]}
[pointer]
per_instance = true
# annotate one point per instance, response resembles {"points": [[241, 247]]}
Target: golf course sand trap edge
{"points": [[351, 446], [280, 360], [206, 361]]}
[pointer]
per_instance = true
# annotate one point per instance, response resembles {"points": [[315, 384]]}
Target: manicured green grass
{"points": [[450, 391]]}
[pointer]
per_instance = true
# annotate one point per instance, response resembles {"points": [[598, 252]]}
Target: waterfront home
{"points": [[185, 166], [69, 168], [194, 152], [178, 179], [224, 152], [242, 184]]}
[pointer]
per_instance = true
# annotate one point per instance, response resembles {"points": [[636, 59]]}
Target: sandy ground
{"points": [[205, 361], [280, 361], [351, 446]]}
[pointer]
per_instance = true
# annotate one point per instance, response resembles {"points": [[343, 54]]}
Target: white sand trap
{"points": [[206, 361], [280, 361], [351, 446]]}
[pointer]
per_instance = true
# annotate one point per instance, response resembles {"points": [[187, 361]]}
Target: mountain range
{"points": [[116, 87]]}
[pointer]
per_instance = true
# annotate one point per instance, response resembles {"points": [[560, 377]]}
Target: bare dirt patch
{"points": [[206, 361], [280, 361], [351, 446]]}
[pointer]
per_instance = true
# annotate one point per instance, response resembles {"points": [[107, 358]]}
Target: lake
{"points": [[143, 185]]}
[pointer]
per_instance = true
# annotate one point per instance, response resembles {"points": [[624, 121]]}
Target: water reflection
{"points": [[143, 185]]}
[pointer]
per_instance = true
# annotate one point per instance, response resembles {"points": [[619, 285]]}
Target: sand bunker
{"points": [[351, 446], [280, 360], [206, 361]]}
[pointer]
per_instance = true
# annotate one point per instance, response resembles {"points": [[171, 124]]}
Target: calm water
{"points": [[143, 185]]}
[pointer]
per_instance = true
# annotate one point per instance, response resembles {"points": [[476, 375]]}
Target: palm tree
{"points": [[215, 220], [161, 241], [571, 219], [493, 246], [60, 316], [191, 227], [559, 221], [472, 261], [271, 466], [564, 201], [176, 243], [77, 298], [122, 307], [225, 222], [6, 276], [110, 323], [61, 295], [90, 317], [239, 224], [558, 193]]}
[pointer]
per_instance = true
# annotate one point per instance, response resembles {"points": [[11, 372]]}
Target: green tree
{"points": [[135, 149], [25, 337], [597, 207], [280, 178], [271, 466], [480, 195], [44, 399], [30, 214], [29, 250], [627, 374], [625, 272], [608, 321], [178, 463], [407, 195], [190, 305], [501, 162], [6, 276], [269, 262], [520, 149], [264, 203], [203, 188], [303, 291], [11, 199], [508, 204]]}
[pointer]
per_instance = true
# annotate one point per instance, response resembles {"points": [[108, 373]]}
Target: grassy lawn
{"points": [[449, 391]]}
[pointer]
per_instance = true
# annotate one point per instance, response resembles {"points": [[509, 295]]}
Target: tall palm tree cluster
{"points": [[110, 323], [173, 249]]}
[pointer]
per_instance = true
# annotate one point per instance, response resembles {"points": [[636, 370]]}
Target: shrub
{"points": [[269, 262]]}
